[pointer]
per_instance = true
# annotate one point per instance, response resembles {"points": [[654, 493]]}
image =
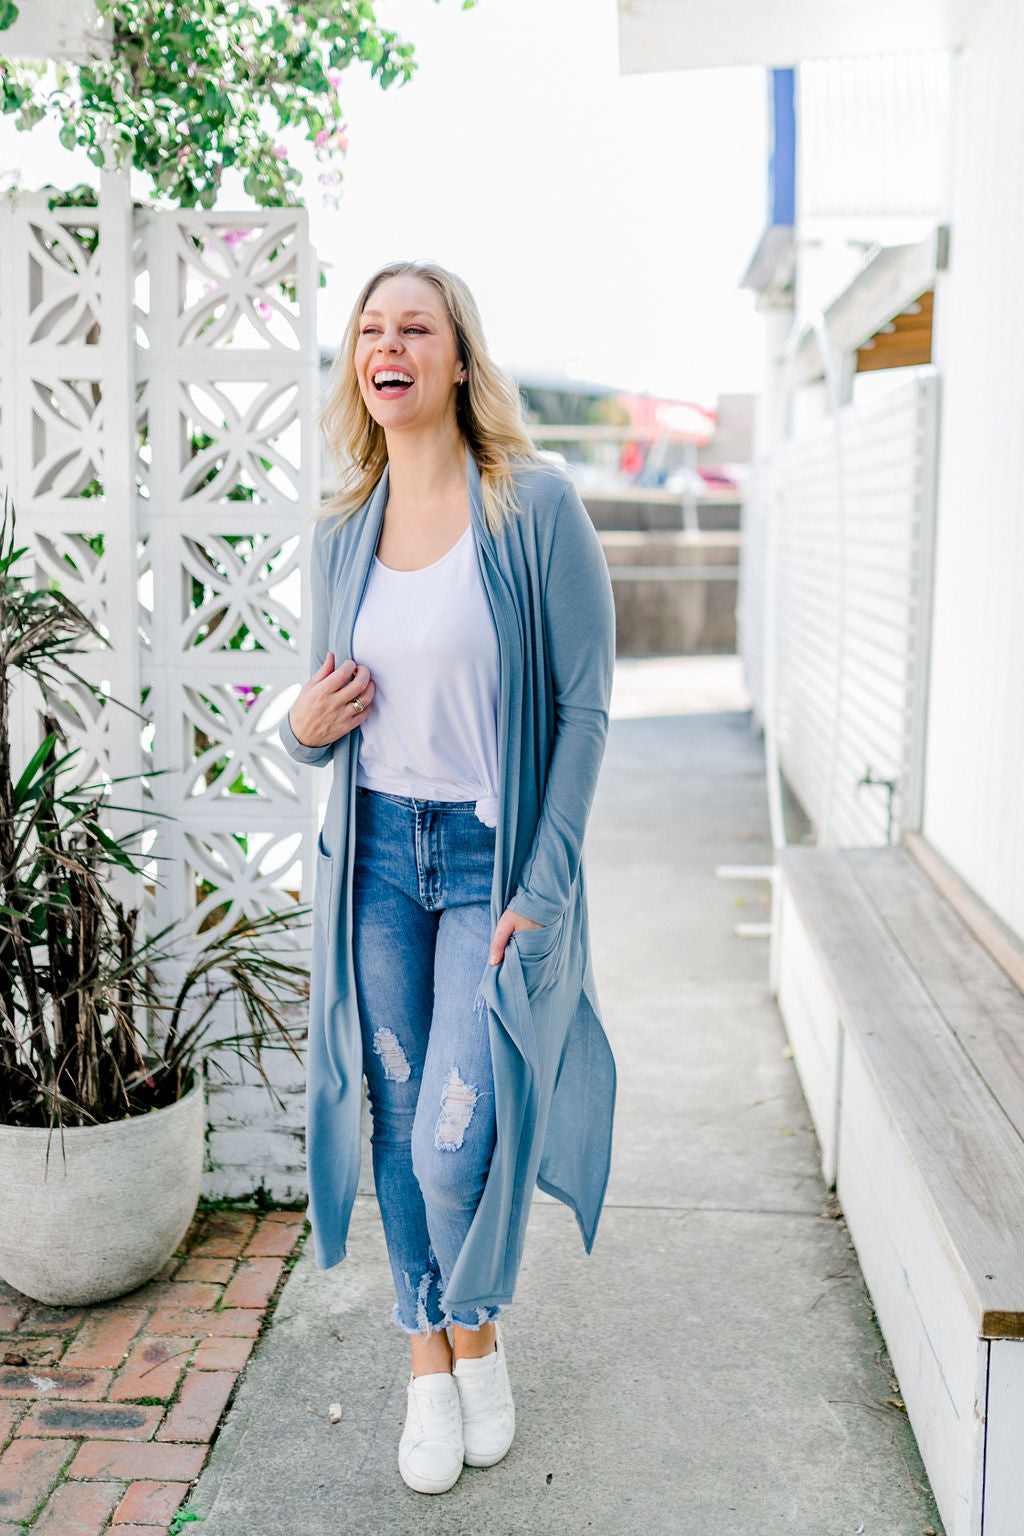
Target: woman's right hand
{"points": [[323, 711]]}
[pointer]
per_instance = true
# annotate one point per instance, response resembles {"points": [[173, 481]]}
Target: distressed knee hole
{"points": [[389, 1049], [458, 1100]]}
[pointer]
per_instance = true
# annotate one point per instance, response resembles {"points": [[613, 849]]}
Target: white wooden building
{"points": [[882, 635]]}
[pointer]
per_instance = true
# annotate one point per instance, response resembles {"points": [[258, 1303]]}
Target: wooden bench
{"points": [[909, 1041]]}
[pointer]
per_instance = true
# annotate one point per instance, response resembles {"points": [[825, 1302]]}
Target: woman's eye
{"points": [[416, 330]]}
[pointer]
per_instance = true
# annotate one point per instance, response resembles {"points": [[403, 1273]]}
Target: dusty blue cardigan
{"points": [[550, 596]]}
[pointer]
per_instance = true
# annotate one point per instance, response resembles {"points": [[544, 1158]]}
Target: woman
{"points": [[451, 953]]}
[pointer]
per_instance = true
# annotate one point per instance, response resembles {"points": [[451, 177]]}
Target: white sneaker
{"points": [[430, 1450], [488, 1412]]}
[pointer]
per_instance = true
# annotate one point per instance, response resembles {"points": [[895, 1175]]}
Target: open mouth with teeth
{"points": [[389, 381]]}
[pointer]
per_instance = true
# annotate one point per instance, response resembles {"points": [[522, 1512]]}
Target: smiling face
{"points": [[406, 356]]}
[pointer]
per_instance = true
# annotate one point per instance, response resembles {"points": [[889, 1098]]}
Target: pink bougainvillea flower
{"points": [[236, 236], [280, 152], [333, 139], [334, 78]]}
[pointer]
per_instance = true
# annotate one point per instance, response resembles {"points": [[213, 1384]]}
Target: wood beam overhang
{"points": [[905, 341], [883, 294]]}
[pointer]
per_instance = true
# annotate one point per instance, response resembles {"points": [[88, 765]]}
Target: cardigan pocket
{"points": [[324, 883], [539, 951], [535, 943]]}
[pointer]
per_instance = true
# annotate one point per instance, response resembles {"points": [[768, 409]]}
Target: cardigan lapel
{"points": [[499, 587], [366, 536]]}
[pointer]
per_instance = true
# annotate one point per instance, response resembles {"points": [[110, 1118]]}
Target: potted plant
{"points": [[101, 1091]]}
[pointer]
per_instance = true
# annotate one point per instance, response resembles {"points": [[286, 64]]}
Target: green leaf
{"points": [[32, 768], [32, 113], [10, 560], [8, 14], [183, 1517]]}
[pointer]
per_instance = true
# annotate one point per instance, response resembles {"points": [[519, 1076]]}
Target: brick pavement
{"points": [[107, 1412]]}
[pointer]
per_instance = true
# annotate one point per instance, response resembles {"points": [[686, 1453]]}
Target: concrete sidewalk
{"points": [[712, 1369]]}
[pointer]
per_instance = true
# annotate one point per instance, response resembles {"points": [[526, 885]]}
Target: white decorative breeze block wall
{"points": [[157, 395], [67, 450]]}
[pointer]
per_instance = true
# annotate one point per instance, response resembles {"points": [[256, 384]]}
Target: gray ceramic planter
{"points": [[110, 1209]]}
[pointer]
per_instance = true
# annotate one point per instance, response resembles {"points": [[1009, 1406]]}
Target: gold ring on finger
{"points": [[358, 706]]}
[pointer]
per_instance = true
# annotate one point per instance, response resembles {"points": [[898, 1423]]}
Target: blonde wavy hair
{"points": [[487, 407]]}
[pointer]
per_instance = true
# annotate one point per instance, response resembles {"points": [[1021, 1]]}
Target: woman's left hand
{"points": [[508, 922]]}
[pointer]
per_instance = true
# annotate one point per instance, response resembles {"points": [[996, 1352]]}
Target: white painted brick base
{"points": [[253, 1145]]}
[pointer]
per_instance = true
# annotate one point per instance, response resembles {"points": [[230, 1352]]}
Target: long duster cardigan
{"points": [[550, 596]]}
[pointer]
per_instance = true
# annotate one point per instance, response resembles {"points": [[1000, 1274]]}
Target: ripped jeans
{"points": [[421, 932]]}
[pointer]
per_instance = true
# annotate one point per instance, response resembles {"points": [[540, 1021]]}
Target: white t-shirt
{"points": [[429, 641]]}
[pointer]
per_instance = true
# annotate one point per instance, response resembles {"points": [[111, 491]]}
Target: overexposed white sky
{"points": [[602, 221]]}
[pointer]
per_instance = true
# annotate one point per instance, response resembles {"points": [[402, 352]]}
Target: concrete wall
{"points": [[668, 614], [663, 515]]}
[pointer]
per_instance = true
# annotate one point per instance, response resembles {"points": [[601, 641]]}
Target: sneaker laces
{"points": [[433, 1412]]}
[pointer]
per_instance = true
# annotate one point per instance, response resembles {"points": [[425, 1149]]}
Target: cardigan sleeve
{"points": [[579, 622], [320, 615]]}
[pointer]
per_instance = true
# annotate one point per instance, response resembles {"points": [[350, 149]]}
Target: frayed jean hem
{"points": [[484, 1315], [423, 1327]]}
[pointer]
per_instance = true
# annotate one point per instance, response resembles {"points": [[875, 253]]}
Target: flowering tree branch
{"points": [[191, 87]]}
